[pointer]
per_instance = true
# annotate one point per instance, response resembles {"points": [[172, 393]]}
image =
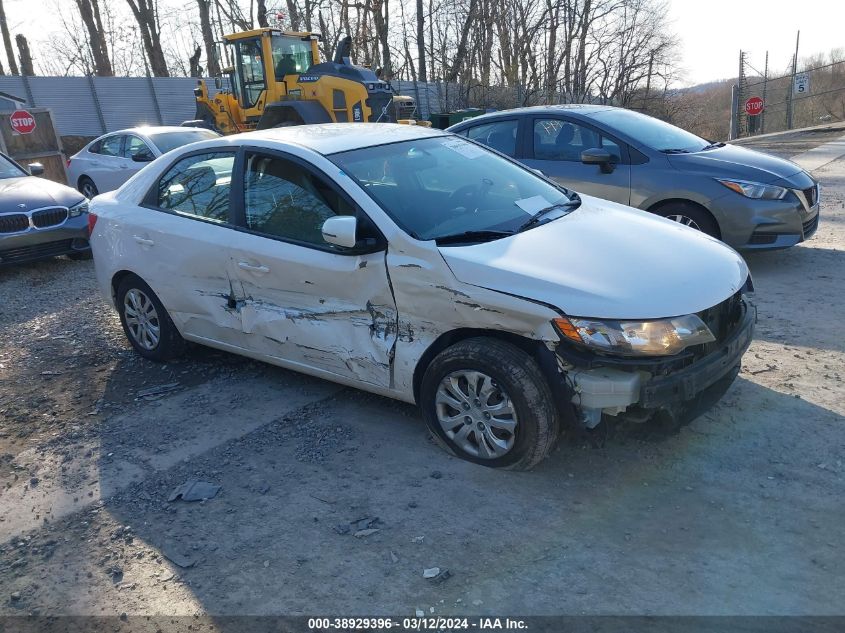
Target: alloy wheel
{"points": [[476, 414], [142, 320], [685, 220]]}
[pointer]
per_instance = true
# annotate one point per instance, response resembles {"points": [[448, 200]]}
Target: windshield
{"points": [[651, 132], [166, 141], [9, 170], [291, 56], [443, 186]]}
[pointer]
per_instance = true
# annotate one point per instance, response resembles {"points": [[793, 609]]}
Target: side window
{"points": [[199, 185], [500, 135], [135, 145], [95, 147], [555, 139], [110, 146], [282, 199]]}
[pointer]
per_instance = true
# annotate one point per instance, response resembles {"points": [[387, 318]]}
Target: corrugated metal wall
{"points": [[90, 106]]}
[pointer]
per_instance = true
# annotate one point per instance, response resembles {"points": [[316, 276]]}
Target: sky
{"points": [[711, 32]]}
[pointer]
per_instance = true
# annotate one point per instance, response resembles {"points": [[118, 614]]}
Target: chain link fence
{"points": [[813, 97]]}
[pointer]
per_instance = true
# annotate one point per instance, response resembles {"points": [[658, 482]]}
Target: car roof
{"points": [[146, 130], [330, 138], [576, 109]]}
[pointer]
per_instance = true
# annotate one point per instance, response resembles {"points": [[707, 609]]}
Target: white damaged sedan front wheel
{"points": [[488, 402]]}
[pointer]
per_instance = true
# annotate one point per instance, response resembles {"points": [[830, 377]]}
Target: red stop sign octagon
{"points": [[754, 106], [22, 122]]}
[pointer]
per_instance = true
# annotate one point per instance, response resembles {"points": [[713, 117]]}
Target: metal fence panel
{"points": [[176, 98], [126, 101], [70, 99]]}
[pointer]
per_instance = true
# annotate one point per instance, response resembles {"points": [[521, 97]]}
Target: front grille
{"points": [[35, 251], [812, 195], [49, 217], [722, 319], [13, 223], [810, 226]]}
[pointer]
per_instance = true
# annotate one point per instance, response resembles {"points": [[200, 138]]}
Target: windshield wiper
{"points": [[712, 146], [472, 236], [675, 150], [535, 219]]}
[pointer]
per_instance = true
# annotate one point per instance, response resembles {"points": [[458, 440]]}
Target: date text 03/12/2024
{"points": [[417, 624]]}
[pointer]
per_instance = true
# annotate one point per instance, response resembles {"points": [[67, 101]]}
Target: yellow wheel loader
{"points": [[277, 80]]}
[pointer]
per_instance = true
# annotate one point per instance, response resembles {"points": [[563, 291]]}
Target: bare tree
{"points": [[89, 11], [145, 12], [7, 41], [211, 63], [194, 68]]}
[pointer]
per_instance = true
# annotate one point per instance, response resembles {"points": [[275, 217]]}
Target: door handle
{"points": [[253, 269], [143, 241]]}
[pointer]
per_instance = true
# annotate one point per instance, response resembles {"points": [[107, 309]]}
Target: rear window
{"points": [[166, 141]]}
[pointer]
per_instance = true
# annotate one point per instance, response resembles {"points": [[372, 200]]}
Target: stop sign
{"points": [[22, 122], [754, 106]]}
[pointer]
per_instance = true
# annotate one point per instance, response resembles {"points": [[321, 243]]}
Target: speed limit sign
{"points": [[802, 83]]}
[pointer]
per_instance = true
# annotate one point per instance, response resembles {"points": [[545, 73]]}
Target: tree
{"points": [[194, 68], [211, 63], [145, 12], [89, 11], [7, 41], [421, 42], [26, 57]]}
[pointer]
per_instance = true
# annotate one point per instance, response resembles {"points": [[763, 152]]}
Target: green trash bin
{"points": [[442, 120]]}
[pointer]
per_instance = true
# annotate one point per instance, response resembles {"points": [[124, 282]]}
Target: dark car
{"points": [[39, 218], [748, 199]]}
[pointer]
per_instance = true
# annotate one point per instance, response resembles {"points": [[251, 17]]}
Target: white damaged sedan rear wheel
{"points": [[489, 403]]}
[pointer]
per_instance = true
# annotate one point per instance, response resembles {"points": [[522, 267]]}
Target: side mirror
{"points": [[341, 230], [143, 157], [36, 169], [218, 82], [600, 157]]}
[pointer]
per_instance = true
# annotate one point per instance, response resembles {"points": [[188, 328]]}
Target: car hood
{"points": [[606, 260], [733, 161], [34, 193]]}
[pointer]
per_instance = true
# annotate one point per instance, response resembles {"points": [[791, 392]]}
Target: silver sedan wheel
{"points": [[88, 189], [141, 319], [476, 414], [686, 221]]}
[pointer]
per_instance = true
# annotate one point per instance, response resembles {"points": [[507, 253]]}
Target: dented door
{"points": [[300, 299], [324, 310]]}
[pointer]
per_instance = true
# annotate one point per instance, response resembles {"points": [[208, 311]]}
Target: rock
{"points": [[33, 481], [16, 595], [420, 613], [436, 474], [431, 572], [393, 557], [477, 603]]}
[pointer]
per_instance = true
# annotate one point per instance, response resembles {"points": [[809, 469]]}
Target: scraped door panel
{"points": [[323, 310]]}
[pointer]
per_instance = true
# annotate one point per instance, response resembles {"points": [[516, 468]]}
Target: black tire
{"points": [[170, 343], [702, 219], [87, 187], [80, 256], [515, 374]]}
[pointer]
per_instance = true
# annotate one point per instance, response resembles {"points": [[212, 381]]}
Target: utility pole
{"points": [[790, 106]]}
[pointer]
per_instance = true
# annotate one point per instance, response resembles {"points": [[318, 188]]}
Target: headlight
{"points": [[756, 190], [78, 209], [662, 337]]}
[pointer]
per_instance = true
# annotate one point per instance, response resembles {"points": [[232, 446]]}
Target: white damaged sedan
{"points": [[421, 266]]}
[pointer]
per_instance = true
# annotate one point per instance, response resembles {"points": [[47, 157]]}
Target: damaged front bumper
{"points": [[638, 390]]}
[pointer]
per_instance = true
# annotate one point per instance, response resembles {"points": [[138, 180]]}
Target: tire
{"points": [[507, 374], [87, 187], [133, 294], [81, 256], [690, 215]]}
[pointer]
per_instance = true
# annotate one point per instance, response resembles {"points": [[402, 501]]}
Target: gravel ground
{"points": [[335, 501]]}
